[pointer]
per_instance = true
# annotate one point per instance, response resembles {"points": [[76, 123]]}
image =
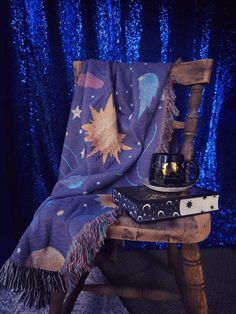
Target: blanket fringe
{"points": [[33, 285], [171, 112], [87, 243]]}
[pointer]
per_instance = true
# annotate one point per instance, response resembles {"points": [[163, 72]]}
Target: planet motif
{"points": [[89, 80], [49, 259], [73, 182]]}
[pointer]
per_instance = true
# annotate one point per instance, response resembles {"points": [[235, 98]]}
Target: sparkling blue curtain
{"points": [[40, 40]]}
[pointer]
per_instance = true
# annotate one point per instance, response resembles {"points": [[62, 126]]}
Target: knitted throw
{"points": [[120, 115]]}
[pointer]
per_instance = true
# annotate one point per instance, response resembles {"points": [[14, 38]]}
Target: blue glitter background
{"points": [[40, 41]]}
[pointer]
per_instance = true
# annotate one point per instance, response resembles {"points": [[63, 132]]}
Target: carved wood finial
{"points": [[77, 66]]}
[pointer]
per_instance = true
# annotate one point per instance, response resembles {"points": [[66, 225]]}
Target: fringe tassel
{"points": [[85, 246], [34, 285], [171, 112]]}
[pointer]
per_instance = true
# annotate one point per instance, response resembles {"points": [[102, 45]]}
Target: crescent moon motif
{"points": [[176, 214], [146, 205], [169, 202], [140, 218], [161, 213]]}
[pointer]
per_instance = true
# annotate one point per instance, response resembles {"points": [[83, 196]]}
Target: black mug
{"points": [[171, 170]]}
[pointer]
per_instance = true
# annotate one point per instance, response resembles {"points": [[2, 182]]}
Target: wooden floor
{"points": [[149, 268]]}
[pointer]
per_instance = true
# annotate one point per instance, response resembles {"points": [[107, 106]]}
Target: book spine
{"points": [[163, 209], [159, 209]]}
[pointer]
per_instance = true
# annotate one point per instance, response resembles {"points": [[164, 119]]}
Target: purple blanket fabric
{"points": [[120, 114]]}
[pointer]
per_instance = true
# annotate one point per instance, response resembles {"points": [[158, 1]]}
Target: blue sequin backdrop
{"points": [[39, 41]]}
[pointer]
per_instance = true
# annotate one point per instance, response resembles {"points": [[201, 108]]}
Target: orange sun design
{"points": [[103, 133], [105, 200]]}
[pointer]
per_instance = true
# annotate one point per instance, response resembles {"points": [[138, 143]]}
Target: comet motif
{"points": [[148, 85]]}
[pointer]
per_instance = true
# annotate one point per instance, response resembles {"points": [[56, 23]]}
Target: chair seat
{"points": [[189, 229]]}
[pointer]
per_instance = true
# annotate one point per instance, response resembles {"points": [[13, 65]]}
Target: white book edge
{"points": [[197, 205]]}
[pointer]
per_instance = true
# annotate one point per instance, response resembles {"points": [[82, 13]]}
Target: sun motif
{"points": [[106, 200], [103, 133]]}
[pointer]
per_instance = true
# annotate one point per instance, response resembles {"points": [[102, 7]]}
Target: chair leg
{"points": [[71, 298], [194, 279], [112, 249], [56, 301], [172, 256]]}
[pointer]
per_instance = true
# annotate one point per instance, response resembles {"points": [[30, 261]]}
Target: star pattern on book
{"points": [[76, 112], [189, 204]]}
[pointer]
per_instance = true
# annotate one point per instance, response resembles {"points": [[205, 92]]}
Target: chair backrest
{"points": [[195, 74]]}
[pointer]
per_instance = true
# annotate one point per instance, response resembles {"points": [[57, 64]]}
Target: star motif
{"points": [[189, 204], [76, 112]]}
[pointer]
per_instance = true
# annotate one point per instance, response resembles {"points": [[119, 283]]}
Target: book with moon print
{"points": [[145, 205]]}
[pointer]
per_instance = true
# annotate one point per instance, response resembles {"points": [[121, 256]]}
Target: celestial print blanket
{"points": [[120, 114]]}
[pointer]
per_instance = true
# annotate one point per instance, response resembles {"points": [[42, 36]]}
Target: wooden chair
{"points": [[186, 230]]}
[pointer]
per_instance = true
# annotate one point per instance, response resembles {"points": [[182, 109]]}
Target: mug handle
{"points": [[196, 168]]}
